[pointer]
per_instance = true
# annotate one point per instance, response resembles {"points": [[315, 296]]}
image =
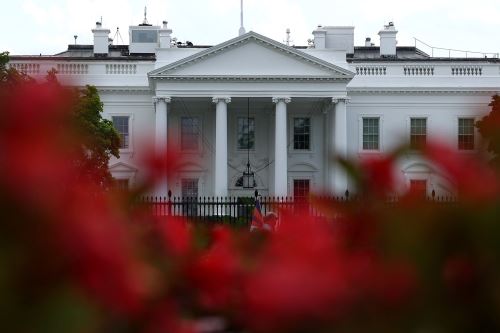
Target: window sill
{"points": [[370, 152], [301, 151]]}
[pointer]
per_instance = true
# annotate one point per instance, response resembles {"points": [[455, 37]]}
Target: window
{"points": [[418, 187], [371, 136], [246, 133], [301, 189], [144, 36], [190, 133], [301, 133], [121, 125], [189, 187], [121, 184], [466, 133], [190, 196], [418, 132]]}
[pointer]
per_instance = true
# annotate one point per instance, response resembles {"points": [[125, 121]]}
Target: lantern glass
{"points": [[248, 179]]}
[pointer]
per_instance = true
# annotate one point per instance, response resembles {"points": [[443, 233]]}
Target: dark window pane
{"points": [[371, 133], [301, 188], [246, 133], [418, 133], [466, 133], [190, 133], [121, 125], [301, 133]]}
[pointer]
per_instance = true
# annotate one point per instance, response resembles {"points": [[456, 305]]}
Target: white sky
{"points": [[47, 26]]}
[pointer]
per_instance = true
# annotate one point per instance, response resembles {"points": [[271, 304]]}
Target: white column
{"points": [[338, 121], [280, 148], [221, 175], [161, 137]]}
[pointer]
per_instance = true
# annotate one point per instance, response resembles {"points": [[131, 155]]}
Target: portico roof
{"points": [[251, 57]]}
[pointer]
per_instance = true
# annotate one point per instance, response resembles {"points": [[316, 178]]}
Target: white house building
{"points": [[285, 110]]}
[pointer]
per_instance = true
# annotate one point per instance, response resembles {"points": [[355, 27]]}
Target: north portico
{"points": [[275, 89]]}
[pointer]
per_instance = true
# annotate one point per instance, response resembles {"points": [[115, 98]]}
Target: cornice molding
{"points": [[209, 78], [422, 91]]}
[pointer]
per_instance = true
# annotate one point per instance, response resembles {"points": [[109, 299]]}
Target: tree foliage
{"points": [[100, 139], [488, 127], [97, 138]]}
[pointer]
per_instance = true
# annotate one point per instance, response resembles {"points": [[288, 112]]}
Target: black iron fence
{"points": [[234, 210], [238, 210]]}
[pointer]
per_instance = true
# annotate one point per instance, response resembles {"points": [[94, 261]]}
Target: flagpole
{"points": [[242, 29]]}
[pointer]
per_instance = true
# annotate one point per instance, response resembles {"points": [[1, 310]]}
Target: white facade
{"points": [[306, 104]]}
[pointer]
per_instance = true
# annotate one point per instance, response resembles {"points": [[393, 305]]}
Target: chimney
{"points": [[368, 41], [319, 37], [101, 39], [388, 40], [165, 36]]}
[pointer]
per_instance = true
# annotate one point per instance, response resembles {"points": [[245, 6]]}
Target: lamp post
{"points": [[248, 175]]}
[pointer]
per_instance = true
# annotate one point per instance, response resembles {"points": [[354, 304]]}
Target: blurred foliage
{"points": [[489, 128], [97, 138]]}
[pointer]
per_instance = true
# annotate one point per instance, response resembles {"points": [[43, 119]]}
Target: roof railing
{"points": [[468, 54]]}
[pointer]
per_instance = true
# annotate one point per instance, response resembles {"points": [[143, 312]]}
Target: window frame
{"points": [[297, 179], [425, 180], [361, 148], [474, 134], [117, 180], [130, 148], [417, 117], [238, 117], [292, 133], [200, 134]]}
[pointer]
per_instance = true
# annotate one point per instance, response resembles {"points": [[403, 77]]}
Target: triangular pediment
{"points": [[122, 167], [252, 55]]}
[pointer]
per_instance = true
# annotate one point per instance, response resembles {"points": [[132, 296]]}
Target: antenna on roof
{"points": [[75, 37], [145, 15], [288, 40], [101, 20], [117, 37], [242, 28]]}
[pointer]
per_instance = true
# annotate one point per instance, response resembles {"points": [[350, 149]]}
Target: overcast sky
{"points": [[47, 26]]}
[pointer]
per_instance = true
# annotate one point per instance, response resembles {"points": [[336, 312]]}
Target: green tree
{"points": [[489, 127], [97, 139], [10, 76], [100, 140]]}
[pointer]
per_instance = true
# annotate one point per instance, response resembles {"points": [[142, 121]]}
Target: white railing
{"points": [[71, 69], [418, 70], [26, 68], [466, 70], [121, 69], [371, 70]]}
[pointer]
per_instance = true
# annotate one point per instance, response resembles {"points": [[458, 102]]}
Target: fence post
{"points": [[169, 203]]}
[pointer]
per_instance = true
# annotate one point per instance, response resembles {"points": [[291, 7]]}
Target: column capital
{"points": [[218, 99], [286, 100], [344, 99], [165, 99]]}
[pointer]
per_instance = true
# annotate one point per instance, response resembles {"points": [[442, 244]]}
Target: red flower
{"points": [[217, 272], [378, 174], [99, 249], [474, 179], [301, 277], [176, 235]]}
